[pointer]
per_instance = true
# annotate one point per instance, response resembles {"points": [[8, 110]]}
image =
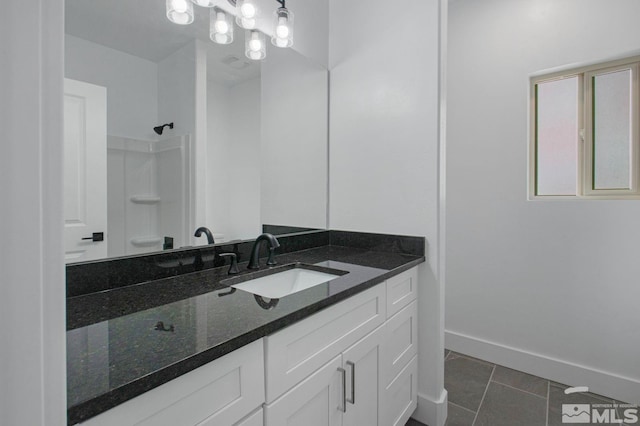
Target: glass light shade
{"points": [[247, 13], [255, 45], [282, 28], [220, 26], [180, 11], [204, 3]]}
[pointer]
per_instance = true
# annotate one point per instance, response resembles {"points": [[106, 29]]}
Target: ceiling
{"points": [[141, 28]]}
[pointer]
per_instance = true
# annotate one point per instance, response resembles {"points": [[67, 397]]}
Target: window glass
{"points": [[557, 137], [612, 130]]}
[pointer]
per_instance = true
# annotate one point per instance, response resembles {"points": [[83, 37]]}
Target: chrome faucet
{"points": [[254, 261], [206, 231]]}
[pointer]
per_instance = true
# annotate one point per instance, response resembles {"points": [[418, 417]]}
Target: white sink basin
{"points": [[284, 283]]}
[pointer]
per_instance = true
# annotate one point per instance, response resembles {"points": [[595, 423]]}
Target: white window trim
{"points": [[584, 175]]}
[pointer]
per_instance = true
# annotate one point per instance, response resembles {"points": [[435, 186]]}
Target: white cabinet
{"points": [[401, 290], [295, 352], [399, 367], [316, 401], [352, 364], [219, 393], [344, 391], [361, 364]]}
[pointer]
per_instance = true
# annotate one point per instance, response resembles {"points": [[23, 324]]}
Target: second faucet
{"points": [[254, 261]]}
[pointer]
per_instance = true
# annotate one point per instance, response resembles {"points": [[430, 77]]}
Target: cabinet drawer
{"points": [[219, 393], [401, 290], [400, 398], [401, 341], [298, 350]]}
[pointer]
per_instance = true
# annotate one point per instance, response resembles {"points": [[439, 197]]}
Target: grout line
{"points": [[460, 406], [521, 390], [548, 397], [483, 395]]}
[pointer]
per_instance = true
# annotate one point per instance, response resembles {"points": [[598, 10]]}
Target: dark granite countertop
{"points": [[117, 348]]}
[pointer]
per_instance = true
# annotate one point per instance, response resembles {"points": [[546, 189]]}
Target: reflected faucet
{"points": [[254, 261], [208, 233]]}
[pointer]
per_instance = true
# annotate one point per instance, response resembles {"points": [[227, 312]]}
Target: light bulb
{"points": [[247, 23], [283, 28], [255, 48], [179, 6], [221, 38], [248, 10], [246, 13], [282, 31], [180, 11], [255, 45], [221, 25]]}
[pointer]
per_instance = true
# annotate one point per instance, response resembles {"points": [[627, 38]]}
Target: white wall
{"points": [[549, 287], [131, 82], [244, 176], [233, 160], [384, 147], [32, 313], [294, 141], [219, 173]]}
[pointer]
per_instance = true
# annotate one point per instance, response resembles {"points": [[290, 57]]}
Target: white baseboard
{"points": [[430, 412], [600, 382]]}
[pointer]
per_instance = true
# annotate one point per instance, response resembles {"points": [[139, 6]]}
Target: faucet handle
{"points": [[233, 269]]}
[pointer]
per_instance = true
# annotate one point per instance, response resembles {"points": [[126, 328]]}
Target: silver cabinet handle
{"points": [[353, 382], [343, 372]]}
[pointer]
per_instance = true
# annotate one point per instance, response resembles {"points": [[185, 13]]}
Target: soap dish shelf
{"points": [[145, 199], [146, 241]]}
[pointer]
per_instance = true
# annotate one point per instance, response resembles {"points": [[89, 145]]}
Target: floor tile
{"points": [[466, 380], [520, 380], [412, 422], [506, 406], [557, 398], [458, 416]]}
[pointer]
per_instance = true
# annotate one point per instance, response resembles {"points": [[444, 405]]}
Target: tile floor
{"points": [[486, 394]]}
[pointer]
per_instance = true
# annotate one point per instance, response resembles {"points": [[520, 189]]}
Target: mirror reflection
{"points": [[167, 131]]}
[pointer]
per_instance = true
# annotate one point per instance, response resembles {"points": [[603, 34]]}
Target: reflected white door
{"points": [[85, 171]]}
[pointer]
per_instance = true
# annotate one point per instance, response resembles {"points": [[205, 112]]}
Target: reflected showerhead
{"points": [[160, 129]]}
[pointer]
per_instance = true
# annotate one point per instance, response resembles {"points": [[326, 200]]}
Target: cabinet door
{"points": [[361, 363], [399, 399], [400, 341], [316, 401], [295, 352], [219, 393], [255, 419]]}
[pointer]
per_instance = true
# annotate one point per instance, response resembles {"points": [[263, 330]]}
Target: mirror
{"points": [[166, 131]]}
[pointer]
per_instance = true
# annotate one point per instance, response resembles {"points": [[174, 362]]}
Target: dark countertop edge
{"points": [[97, 405]]}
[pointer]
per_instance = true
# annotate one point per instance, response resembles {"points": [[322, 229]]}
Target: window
{"points": [[584, 133]]}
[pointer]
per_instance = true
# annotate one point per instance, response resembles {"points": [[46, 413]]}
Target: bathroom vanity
{"points": [[340, 352]]}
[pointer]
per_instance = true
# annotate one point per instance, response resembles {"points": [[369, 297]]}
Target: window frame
{"points": [[584, 175]]}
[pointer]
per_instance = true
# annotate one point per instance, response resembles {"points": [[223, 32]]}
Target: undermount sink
{"points": [[285, 280]]}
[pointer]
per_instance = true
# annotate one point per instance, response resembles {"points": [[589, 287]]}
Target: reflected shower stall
{"points": [[149, 194]]}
